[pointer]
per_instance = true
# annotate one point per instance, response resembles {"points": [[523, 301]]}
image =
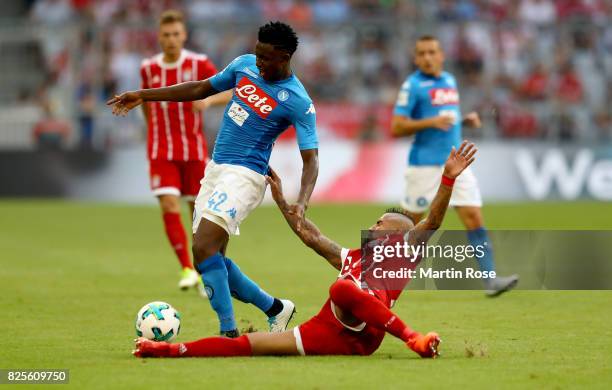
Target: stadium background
{"points": [[74, 273], [538, 72]]}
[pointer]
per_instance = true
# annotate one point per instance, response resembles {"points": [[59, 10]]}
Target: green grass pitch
{"points": [[73, 276]]}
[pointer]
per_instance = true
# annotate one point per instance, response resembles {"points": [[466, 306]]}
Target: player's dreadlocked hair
{"points": [[400, 211], [279, 35]]}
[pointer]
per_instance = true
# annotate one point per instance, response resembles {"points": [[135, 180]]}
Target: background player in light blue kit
{"points": [[267, 99], [428, 108]]}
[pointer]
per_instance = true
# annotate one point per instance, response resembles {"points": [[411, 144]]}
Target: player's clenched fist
{"points": [[122, 104], [459, 159]]}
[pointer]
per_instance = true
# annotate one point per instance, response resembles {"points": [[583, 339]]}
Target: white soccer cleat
{"points": [[202, 289], [279, 322], [501, 284], [189, 278]]}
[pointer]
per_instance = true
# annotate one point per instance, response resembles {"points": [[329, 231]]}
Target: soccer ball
{"points": [[158, 321]]}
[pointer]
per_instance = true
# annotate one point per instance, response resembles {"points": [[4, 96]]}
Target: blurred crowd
{"points": [[538, 69]]}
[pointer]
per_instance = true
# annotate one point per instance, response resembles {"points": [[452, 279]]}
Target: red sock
{"points": [[367, 308], [177, 237], [214, 346]]}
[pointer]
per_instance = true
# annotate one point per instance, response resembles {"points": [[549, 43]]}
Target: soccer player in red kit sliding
{"points": [[354, 319], [176, 143]]}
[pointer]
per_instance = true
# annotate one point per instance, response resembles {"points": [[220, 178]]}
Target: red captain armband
{"points": [[447, 181]]}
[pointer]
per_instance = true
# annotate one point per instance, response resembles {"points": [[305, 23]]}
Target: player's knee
{"points": [[170, 204], [340, 290], [203, 249], [471, 217]]}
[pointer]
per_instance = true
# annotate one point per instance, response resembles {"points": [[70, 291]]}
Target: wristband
{"points": [[447, 181]]}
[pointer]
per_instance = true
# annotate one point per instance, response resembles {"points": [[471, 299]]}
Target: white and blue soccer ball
{"points": [[158, 321]]}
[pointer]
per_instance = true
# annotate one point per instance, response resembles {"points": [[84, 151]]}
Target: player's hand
{"points": [[459, 159], [291, 214], [472, 119], [443, 122], [122, 104], [276, 186], [297, 211]]}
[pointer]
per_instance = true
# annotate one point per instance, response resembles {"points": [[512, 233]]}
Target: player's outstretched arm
{"points": [[310, 172], [183, 92], [457, 162], [305, 229], [220, 99]]}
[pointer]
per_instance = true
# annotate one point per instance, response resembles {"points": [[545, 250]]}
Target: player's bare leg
{"points": [[352, 306], [470, 216], [209, 239], [170, 203], [191, 205], [223, 249], [252, 344], [171, 210], [473, 221], [273, 343]]}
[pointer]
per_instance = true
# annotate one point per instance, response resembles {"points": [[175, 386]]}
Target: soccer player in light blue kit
{"points": [[428, 108], [267, 99]]}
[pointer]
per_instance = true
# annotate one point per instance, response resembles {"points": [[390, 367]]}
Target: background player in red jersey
{"points": [[353, 321], [176, 144]]}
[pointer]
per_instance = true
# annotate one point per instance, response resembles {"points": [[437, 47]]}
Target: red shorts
{"points": [[323, 334], [180, 178]]}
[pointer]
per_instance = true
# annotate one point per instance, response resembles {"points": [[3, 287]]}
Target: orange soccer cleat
{"points": [[149, 348], [426, 346]]}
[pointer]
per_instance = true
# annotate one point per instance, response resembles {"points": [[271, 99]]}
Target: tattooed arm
{"points": [[307, 231], [457, 162]]}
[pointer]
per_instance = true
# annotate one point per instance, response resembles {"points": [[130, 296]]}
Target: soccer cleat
{"points": [[496, 287], [426, 346], [278, 323], [148, 348], [189, 278], [232, 334]]}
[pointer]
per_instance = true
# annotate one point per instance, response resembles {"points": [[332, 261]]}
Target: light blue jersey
{"points": [[423, 96], [258, 113]]}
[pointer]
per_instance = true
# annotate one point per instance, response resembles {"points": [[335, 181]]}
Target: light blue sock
{"points": [[480, 237], [215, 278], [244, 289]]}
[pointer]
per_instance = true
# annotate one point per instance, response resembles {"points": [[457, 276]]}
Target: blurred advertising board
{"points": [[350, 171]]}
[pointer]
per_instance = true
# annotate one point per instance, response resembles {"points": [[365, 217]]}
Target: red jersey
{"points": [[175, 131], [351, 269]]}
